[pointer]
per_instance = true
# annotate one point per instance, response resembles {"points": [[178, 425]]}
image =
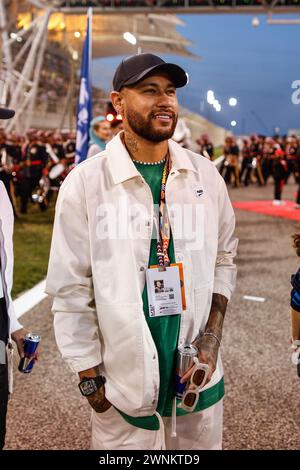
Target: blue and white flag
{"points": [[84, 112]]}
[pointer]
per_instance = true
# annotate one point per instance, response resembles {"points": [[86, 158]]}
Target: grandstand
{"points": [[185, 6], [41, 49]]}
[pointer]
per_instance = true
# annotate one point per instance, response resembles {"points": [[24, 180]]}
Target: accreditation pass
{"points": [[164, 291]]}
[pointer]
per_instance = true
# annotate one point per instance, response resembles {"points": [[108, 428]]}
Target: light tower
{"points": [[21, 69]]}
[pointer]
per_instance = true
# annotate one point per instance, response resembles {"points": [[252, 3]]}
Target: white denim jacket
{"points": [[99, 257]]}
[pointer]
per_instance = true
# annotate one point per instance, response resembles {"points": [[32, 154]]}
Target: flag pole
{"points": [[90, 29], [84, 109]]}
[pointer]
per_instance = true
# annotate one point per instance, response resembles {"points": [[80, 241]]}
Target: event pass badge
{"points": [[165, 290]]}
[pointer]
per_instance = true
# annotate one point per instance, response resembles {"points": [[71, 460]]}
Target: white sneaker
{"points": [[297, 206], [276, 202]]}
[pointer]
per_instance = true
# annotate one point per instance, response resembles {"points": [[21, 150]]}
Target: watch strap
{"points": [[99, 381]]}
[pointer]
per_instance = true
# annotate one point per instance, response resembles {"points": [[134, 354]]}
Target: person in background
{"points": [[34, 159], [262, 163], [297, 177], [268, 157], [100, 134], [231, 152], [70, 146], [206, 147], [279, 174], [58, 146], [9, 325], [291, 157], [255, 154], [295, 307], [246, 163]]}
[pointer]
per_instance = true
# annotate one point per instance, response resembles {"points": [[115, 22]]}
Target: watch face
{"points": [[88, 387]]}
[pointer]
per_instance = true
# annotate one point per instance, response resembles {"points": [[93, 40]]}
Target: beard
{"points": [[144, 127]]}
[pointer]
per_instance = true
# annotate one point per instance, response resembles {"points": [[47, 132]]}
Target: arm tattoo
{"points": [[217, 314]]}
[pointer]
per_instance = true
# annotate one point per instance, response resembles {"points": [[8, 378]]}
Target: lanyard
{"points": [[163, 238]]}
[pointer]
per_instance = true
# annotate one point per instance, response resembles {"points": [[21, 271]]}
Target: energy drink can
{"points": [[185, 355], [31, 343]]}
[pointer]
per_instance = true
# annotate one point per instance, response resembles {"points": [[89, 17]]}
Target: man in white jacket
{"points": [[113, 325], [9, 325]]}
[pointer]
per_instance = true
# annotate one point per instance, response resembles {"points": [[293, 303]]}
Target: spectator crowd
{"points": [[33, 166]]}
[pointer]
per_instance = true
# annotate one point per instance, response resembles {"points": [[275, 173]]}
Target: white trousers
{"points": [[195, 431]]}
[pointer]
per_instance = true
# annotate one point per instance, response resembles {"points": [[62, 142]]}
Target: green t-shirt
{"points": [[165, 331]]}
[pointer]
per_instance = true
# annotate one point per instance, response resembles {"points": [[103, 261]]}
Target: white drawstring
{"points": [[173, 422], [162, 430]]}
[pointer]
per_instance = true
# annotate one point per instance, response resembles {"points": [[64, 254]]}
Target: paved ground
{"points": [[262, 401]]}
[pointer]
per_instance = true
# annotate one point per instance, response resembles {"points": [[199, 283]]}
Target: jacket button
{"points": [[142, 268], [154, 357]]}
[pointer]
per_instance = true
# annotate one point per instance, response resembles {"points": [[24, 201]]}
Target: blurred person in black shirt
{"points": [[297, 176], [279, 175], [231, 152], [70, 148], [291, 157], [58, 146], [246, 163], [255, 152], [206, 147], [34, 159], [268, 153]]}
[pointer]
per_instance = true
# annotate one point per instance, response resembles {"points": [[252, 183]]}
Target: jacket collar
{"points": [[122, 167], [180, 158]]}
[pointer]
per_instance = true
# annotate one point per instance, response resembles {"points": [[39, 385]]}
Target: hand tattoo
{"points": [[98, 401]]}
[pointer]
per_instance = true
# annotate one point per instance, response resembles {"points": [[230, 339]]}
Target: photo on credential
{"points": [[149, 228]]}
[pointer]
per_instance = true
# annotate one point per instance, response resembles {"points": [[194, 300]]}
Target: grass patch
{"points": [[32, 238], [218, 151]]}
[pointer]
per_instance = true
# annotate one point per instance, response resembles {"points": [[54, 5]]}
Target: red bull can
{"points": [[31, 343], [185, 355]]}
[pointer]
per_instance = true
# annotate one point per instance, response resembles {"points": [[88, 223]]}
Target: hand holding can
{"points": [[31, 343], [185, 355]]}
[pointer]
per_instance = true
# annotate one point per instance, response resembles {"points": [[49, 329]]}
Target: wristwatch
{"points": [[90, 385]]}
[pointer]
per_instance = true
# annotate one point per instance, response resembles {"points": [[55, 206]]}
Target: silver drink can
{"points": [[185, 355]]}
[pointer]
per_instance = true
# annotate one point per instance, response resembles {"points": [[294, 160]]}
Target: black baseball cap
{"points": [[6, 113], [136, 67]]}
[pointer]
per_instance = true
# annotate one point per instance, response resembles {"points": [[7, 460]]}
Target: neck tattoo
{"points": [[131, 143]]}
